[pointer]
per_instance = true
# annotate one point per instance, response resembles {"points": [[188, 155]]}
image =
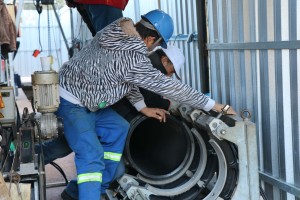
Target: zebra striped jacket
{"points": [[114, 65]]}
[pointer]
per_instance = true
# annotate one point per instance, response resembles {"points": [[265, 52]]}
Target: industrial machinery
{"points": [[21, 157], [196, 155], [46, 101]]}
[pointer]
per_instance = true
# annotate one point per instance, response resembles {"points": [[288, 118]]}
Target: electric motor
{"points": [[45, 91], [46, 101]]}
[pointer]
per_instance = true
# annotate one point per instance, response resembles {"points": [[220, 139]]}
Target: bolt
{"points": [[223, 132], [125, 180], [214, 125]]}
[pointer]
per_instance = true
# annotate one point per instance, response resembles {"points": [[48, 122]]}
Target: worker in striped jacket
{"points": [[114, 65], [169, 62]]}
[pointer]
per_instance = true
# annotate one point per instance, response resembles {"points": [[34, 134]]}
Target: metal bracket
{"points": [[243, 134], [132, 188], [185, 37]]}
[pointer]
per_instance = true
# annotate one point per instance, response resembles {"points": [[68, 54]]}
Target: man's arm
{"points": [[145, 76], [137, 100]]}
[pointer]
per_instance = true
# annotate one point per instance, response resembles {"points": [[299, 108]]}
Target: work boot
{"points": [[65, 196]]}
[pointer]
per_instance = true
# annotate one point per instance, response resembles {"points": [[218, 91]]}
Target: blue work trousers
{"points": [[72, 188], [59, 148], [98, 139], [54, 149]]}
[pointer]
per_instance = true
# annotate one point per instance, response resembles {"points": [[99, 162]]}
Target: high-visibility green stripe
{"points": [[88, 177], [112, 156]]}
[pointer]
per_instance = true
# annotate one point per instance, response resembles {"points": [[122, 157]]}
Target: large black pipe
{"points": [[172, 157], [158, 150]]}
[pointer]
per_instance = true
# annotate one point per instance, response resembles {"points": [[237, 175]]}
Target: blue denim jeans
{"points": [[90, 135], [102, 15]]}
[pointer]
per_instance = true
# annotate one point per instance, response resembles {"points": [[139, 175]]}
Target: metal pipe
{"points": [[57, 184], [60, 27], [202, 40], [1, 64]]}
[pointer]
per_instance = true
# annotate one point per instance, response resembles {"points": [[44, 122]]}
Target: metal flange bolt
{"points": [[223, 132]]}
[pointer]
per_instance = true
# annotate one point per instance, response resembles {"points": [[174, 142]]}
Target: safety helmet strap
{"points": [[155, 44]]}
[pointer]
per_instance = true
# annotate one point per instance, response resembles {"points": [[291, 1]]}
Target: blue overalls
{"points": [[98, 139]]}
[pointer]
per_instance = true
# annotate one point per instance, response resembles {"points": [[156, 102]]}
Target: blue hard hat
{"points": [[162, 22]]}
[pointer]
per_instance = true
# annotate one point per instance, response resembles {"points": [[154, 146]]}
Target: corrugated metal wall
{"points": [[185, 20], [254, 59], [24, 63]]}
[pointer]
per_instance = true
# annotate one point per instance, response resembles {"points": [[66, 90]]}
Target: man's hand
{"points": [[156, 113]]}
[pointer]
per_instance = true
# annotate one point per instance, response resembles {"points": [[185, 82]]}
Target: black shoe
{"points": [[65, 196]]}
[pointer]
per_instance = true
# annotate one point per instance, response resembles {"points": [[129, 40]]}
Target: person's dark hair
{"points": [[146, 32], [161, 53]]}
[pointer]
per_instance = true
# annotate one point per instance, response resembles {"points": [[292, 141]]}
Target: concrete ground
{"points": [[54, 177]]}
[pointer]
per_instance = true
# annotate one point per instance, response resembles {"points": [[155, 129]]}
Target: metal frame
{"points": [[258, 43], [185, 37], [255, 45], [60, 28], [202, 40], [292, 189], [243, 134]]}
